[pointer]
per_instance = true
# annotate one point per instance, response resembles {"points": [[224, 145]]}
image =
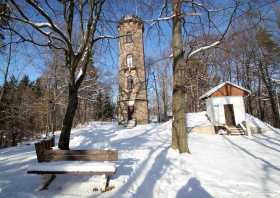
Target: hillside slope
{"points": [[219, 166]]}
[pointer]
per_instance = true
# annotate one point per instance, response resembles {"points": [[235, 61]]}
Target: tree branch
{"points": [[218, 42], [47, 17]]}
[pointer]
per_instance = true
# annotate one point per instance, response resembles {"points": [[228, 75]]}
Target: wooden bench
{"points": [[74, 162]]}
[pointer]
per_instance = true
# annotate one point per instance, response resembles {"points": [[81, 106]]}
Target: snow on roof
{"points": [[213, 90]]}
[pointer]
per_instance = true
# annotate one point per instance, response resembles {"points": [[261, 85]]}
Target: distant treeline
{"points": [[31, 108]]}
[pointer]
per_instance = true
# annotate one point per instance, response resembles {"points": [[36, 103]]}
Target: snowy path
{"points": [[220, 166]]}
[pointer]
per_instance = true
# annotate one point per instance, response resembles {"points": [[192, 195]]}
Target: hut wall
{"points": [[215, 109]]}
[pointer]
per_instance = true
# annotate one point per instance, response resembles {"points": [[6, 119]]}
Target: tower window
{"points": [[128, 37], [129, 62], [129, 83]]}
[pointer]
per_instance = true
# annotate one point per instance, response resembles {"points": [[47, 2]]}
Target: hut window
{"points": [[129, 62], [128, 37], [129, 83]]}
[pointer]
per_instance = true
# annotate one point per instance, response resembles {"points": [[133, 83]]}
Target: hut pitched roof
{"points": [[218, 87]]}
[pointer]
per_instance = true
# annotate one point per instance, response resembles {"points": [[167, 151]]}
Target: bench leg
{"points": [[106, 186], [107, 182], [47, 180]]}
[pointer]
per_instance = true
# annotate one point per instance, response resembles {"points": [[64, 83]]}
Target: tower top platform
{"points": [[130, 18]]}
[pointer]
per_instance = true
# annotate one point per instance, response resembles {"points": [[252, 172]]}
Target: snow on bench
{"points": [[73, 167], [76, 162]]}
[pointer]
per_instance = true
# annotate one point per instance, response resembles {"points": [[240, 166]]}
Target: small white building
{"points": [[225, 104]]}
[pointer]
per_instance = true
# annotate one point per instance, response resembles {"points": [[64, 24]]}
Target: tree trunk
{"points": [[54, 102], [157, 96], [260, 108], [64, 138], [53, 117], [164, 99], [6, 72], [85, 111], [248, 86], [179, 135], [268, 84], [276, 118]]}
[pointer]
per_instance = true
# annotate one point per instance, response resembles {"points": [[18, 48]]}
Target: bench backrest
{"points": [[45, 153], [81, 155]]}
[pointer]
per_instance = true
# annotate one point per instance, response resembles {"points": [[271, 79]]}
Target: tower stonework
{"points": [[132, 100]]}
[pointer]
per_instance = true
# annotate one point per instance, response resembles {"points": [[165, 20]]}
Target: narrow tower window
{"points": [[129, 83], [128, 37], [129, 62]]}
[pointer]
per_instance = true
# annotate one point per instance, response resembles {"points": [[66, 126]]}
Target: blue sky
{"points": [[31, 60]]}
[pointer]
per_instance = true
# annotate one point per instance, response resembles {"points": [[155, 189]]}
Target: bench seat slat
{"points": [[73, 167]]}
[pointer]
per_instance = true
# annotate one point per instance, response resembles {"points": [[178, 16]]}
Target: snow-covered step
{"points": [[237, 133], [234, 130]]}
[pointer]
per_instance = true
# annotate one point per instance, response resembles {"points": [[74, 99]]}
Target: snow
{"points": [[255, 122], [219, 166], [74, 166], [203, 48], [43, 24], [79, 74], [197, 119], [277, 81], [200, 119]]}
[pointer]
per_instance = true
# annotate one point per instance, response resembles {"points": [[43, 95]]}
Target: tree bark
{"points": [[248, 86], [68, 118], [157, 96], [6, 72], [260, 106], [268, 84], [179, 135], [164, 99], [75, 57]]}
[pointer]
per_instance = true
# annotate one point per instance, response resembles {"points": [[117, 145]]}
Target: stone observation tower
{"points": [[132, 100]]}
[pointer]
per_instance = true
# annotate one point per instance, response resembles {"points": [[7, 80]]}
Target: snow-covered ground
{"points": [[198, 119], [219, 166]]}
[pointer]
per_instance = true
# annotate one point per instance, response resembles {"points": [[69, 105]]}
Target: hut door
{"points": [[229, 114]]}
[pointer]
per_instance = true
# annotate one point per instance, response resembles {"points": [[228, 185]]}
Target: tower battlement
{"points": [[130, 18]]}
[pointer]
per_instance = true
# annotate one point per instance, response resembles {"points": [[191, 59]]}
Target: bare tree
{"points": [[179, 138], [58, 33], [181, 56]]}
